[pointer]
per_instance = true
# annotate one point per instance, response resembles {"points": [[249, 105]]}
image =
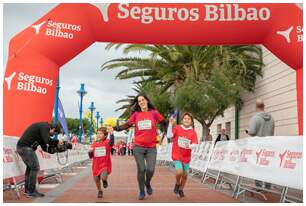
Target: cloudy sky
{"points": [[102, 88]]}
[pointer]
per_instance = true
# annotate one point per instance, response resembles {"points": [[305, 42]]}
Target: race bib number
{"points": [[144, 125], [183, 142], [100, 152]]}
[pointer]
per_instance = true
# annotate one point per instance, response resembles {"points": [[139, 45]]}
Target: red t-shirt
{"points": [[181, 135], [101, 160], [74, 140], [145, 127]]}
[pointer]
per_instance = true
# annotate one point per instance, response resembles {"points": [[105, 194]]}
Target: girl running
{"points": [[145, 118], [100, 153], [184, 139]]}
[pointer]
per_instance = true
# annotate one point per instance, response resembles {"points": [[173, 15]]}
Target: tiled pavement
{"points": [[123, 187]]}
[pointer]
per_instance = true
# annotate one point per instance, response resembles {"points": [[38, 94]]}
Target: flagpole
{"points": [[56, 102]]}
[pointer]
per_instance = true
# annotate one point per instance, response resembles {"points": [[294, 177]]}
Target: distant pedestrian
{"points": [[261, 125], [130, 148], [208, 137], [222, 137]]}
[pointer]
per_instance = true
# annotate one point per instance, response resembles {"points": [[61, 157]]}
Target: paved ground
{"points": [[80, 188]]}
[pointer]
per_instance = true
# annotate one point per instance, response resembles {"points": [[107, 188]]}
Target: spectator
{"points": [[74, 139], [117, 147], [261, 125], [123, 148], [130, 148], [113, 150], [222, 137], [208, 136]]}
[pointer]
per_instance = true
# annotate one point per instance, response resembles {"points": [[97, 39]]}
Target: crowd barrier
{"points": [[51, 165], [13, 165], [277, 160]]}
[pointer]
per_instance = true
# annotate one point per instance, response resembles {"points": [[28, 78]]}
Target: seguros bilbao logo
{"points": [[29, 83]]}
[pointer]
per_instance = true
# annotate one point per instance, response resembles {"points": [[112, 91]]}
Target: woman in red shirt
{"points": [[101, 163], [145, 118], [184, 139]]}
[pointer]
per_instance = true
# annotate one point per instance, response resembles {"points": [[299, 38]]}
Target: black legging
{"points": [[145, 160]]}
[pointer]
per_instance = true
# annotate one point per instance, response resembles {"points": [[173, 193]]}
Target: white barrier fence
{"points": [[277, 160], [13, 165], [201, 156], [164, 152]]}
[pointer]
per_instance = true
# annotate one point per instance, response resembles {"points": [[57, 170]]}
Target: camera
{"points": [[59, 148]]}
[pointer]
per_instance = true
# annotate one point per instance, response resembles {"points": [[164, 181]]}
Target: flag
{"points": [[62, 118]]}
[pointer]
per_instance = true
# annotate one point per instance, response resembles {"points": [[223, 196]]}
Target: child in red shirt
{"points": [[101, 160], [184, 139]]}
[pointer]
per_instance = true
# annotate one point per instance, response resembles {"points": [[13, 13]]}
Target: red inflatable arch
{"points": [[37, 53]]}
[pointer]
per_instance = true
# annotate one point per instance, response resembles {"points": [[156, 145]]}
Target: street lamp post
{"points": [[92, 108], [98, 117], [101, 121], [82, 93]]}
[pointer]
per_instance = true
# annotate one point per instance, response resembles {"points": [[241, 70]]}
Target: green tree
{"points": [[171, 65], [165, 65], [207, 99], [197, 75], [73, 125]]}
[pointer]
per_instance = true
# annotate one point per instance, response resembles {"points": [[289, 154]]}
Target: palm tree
{"points": [[175, 66], [165, 65], [171, 65]]}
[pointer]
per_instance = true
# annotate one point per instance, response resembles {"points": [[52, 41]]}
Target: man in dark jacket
{"points": [[36, 134], [222, 136]]}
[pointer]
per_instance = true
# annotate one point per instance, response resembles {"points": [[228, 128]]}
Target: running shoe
{"points": [[105, 183], [176, 189], [149, 189], [100, 194], [141, 196], [35, 194], [181, 193]]}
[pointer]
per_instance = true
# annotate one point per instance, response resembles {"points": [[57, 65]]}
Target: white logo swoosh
{"points": [[38, 26], [9, 80], [104, 10], [286, 33]]}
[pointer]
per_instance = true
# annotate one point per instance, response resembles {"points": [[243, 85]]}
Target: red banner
{"points": [[37, 53]]}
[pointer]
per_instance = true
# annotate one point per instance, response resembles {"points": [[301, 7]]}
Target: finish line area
{"points": [[222, 85], [78, 187]]}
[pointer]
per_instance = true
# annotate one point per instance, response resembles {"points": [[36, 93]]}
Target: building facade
{"points": [[277, 87]]}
